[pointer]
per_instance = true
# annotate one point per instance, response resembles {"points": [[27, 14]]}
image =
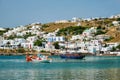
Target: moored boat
{"points": [[42, 60], [38, 58], [72, 56]]}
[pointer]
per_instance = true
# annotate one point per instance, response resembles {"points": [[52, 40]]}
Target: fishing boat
{"points": [[72, 56], [42, 60], [38, 58]]}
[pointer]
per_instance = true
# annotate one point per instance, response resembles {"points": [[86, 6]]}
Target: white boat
{"points": [[38, 58], [42, 60]]}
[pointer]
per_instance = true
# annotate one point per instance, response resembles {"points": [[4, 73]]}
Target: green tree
{"points": [[11, 37], [45, 26], [28, 35], [109, 39], [118, 19], [39, 42], [56, 44], [118, 47], [21, 50], [113, 49], [8, 44], [3, 31], [71, 30]]}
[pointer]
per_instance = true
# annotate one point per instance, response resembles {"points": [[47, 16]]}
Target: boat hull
{"points": [[72, 56], [43, 61]]}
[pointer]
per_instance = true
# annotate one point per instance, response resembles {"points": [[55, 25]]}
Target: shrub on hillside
{"points": [[21, 50]]}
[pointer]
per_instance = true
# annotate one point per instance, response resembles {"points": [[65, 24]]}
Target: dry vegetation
{"points": [[16, 51], [54, 26], [115, 33], [105, 23]]}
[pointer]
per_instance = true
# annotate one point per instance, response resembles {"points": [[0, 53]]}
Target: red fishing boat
{"points": [[38, 58]]}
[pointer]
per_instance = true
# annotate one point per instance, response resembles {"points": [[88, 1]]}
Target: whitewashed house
{"points": [[2, 29], [51, 34], [49, 46], [55, 39], [87, 19], [1, 38], [29, 45], [89, 32], [75, 19], [77, 37], [20, 40], [92, 49], [4, 42], [36, 23], [12, 43], [8, 33], [62, 44], [19, 34], [105, 50], [35, 32], [111, 45], [116, 52], [62, 21], [116, 23], [17, 42], [102, 37], [34, 27], [16, 31], [94, 46], [20, 28], [32, 38], [115, 16]]}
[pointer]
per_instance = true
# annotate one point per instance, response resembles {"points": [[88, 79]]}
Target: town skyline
{"points": [[15, 13]]}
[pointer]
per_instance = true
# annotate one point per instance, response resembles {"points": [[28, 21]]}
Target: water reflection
{"points": [[61, 74], [97, 68]]}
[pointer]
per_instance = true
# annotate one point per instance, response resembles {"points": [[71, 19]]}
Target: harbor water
{"points": [[90, 68]]}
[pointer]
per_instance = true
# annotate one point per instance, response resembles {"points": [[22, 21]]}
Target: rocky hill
{"points": [[115, 33], [104, 23], [50, 27]]}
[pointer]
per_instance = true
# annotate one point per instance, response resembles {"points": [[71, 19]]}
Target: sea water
{"points": [[90, 68]]}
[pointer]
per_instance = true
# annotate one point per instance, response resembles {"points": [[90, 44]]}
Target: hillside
{"points": [[104, 23], [115, 33], [50, 27]]}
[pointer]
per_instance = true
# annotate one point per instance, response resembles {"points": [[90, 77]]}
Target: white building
{"points": [[34, 27], [77, 37], [19, 34], [115, 16], [111, 45], [62, 21], [2, 29], [32, 38], [55, 39], [89, 32], [20, 40], [49, 46], [29, 45], [116, 23], [102, 37], [1, 38], [75, 19]]}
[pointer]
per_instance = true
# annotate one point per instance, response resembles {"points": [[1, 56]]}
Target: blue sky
{"points": [[22, 12]]}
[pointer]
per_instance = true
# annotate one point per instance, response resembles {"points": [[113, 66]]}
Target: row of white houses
{"points": [[91, 44]]}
